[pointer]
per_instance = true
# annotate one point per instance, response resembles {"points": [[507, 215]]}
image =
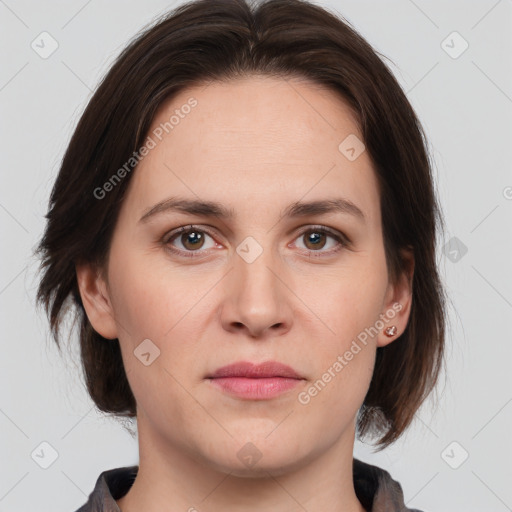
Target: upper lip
{"points": [[256, 371]]}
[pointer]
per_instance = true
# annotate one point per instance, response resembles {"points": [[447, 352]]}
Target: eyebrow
{"points": [[218, 210]]}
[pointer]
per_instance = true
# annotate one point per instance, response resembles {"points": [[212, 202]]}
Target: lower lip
{"points": [[255, 389]]}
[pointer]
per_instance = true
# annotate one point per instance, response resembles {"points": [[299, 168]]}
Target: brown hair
{"points": [[208, 40]]}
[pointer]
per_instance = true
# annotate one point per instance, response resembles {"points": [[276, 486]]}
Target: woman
{"points": [[245, 224]]}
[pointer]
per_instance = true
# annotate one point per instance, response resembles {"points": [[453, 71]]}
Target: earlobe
{"points": [[398, 302], [96, 300]]}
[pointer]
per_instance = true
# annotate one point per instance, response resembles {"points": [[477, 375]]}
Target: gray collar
{"points": [[374, 488]]}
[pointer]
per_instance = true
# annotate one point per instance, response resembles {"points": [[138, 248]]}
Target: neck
{"points": [[170, 477]]}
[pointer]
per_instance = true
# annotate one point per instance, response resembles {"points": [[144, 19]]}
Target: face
{"points": [[261, 277]]}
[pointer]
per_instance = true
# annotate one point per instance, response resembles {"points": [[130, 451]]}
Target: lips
{"points": [[248, 381], [268, 369]]}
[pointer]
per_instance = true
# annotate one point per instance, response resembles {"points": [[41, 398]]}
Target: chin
{"points": [[258, 460]]}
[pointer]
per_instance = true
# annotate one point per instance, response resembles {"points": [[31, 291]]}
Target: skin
{"points": [[256, 145]]}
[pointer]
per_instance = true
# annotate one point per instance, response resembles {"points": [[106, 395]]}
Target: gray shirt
{"points": [[374, 488]]}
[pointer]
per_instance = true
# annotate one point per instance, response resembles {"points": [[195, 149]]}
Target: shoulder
{"points": [[377, 490], [111, 485]]}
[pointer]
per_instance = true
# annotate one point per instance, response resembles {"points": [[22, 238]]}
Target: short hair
{"points": [[218, 40]]}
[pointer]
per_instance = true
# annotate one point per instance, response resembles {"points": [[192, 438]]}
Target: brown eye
{"points": [[317, 238], [192, 240], [188, 240], [314, 240]]}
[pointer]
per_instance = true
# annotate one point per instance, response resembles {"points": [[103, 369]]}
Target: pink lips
{"points": [[256, 382]]}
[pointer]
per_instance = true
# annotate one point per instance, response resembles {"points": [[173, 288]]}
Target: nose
{"points": [[257, 298]]}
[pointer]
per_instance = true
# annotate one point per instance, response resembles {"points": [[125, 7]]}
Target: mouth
{"points": [[267, 369], [251, 381]]}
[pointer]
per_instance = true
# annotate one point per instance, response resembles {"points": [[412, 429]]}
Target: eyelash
{"points": [[342, 240]]}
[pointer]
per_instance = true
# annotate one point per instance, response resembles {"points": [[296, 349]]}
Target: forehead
{"points": [[259, 113], [252, 138]]}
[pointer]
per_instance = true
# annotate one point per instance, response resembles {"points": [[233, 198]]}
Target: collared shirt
{"points": [[374, 488]]}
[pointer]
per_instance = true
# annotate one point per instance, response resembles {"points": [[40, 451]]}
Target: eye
{"points": [[316, 239], [191, 239]]}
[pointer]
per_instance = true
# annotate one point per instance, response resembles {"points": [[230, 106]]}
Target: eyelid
{"points": [[325, 229], [184, 229]]}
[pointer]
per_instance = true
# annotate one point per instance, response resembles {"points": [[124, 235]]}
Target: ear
{"points": [[95, 298], [398, 301]]}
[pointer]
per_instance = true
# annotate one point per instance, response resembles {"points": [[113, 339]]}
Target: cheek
{"points": [[152, 300], [344, 349], [346, 301], [148, 296], [347, 305], [138, 306]]}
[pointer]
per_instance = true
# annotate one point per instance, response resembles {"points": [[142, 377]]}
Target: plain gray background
{"points": [[464, 100]]}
